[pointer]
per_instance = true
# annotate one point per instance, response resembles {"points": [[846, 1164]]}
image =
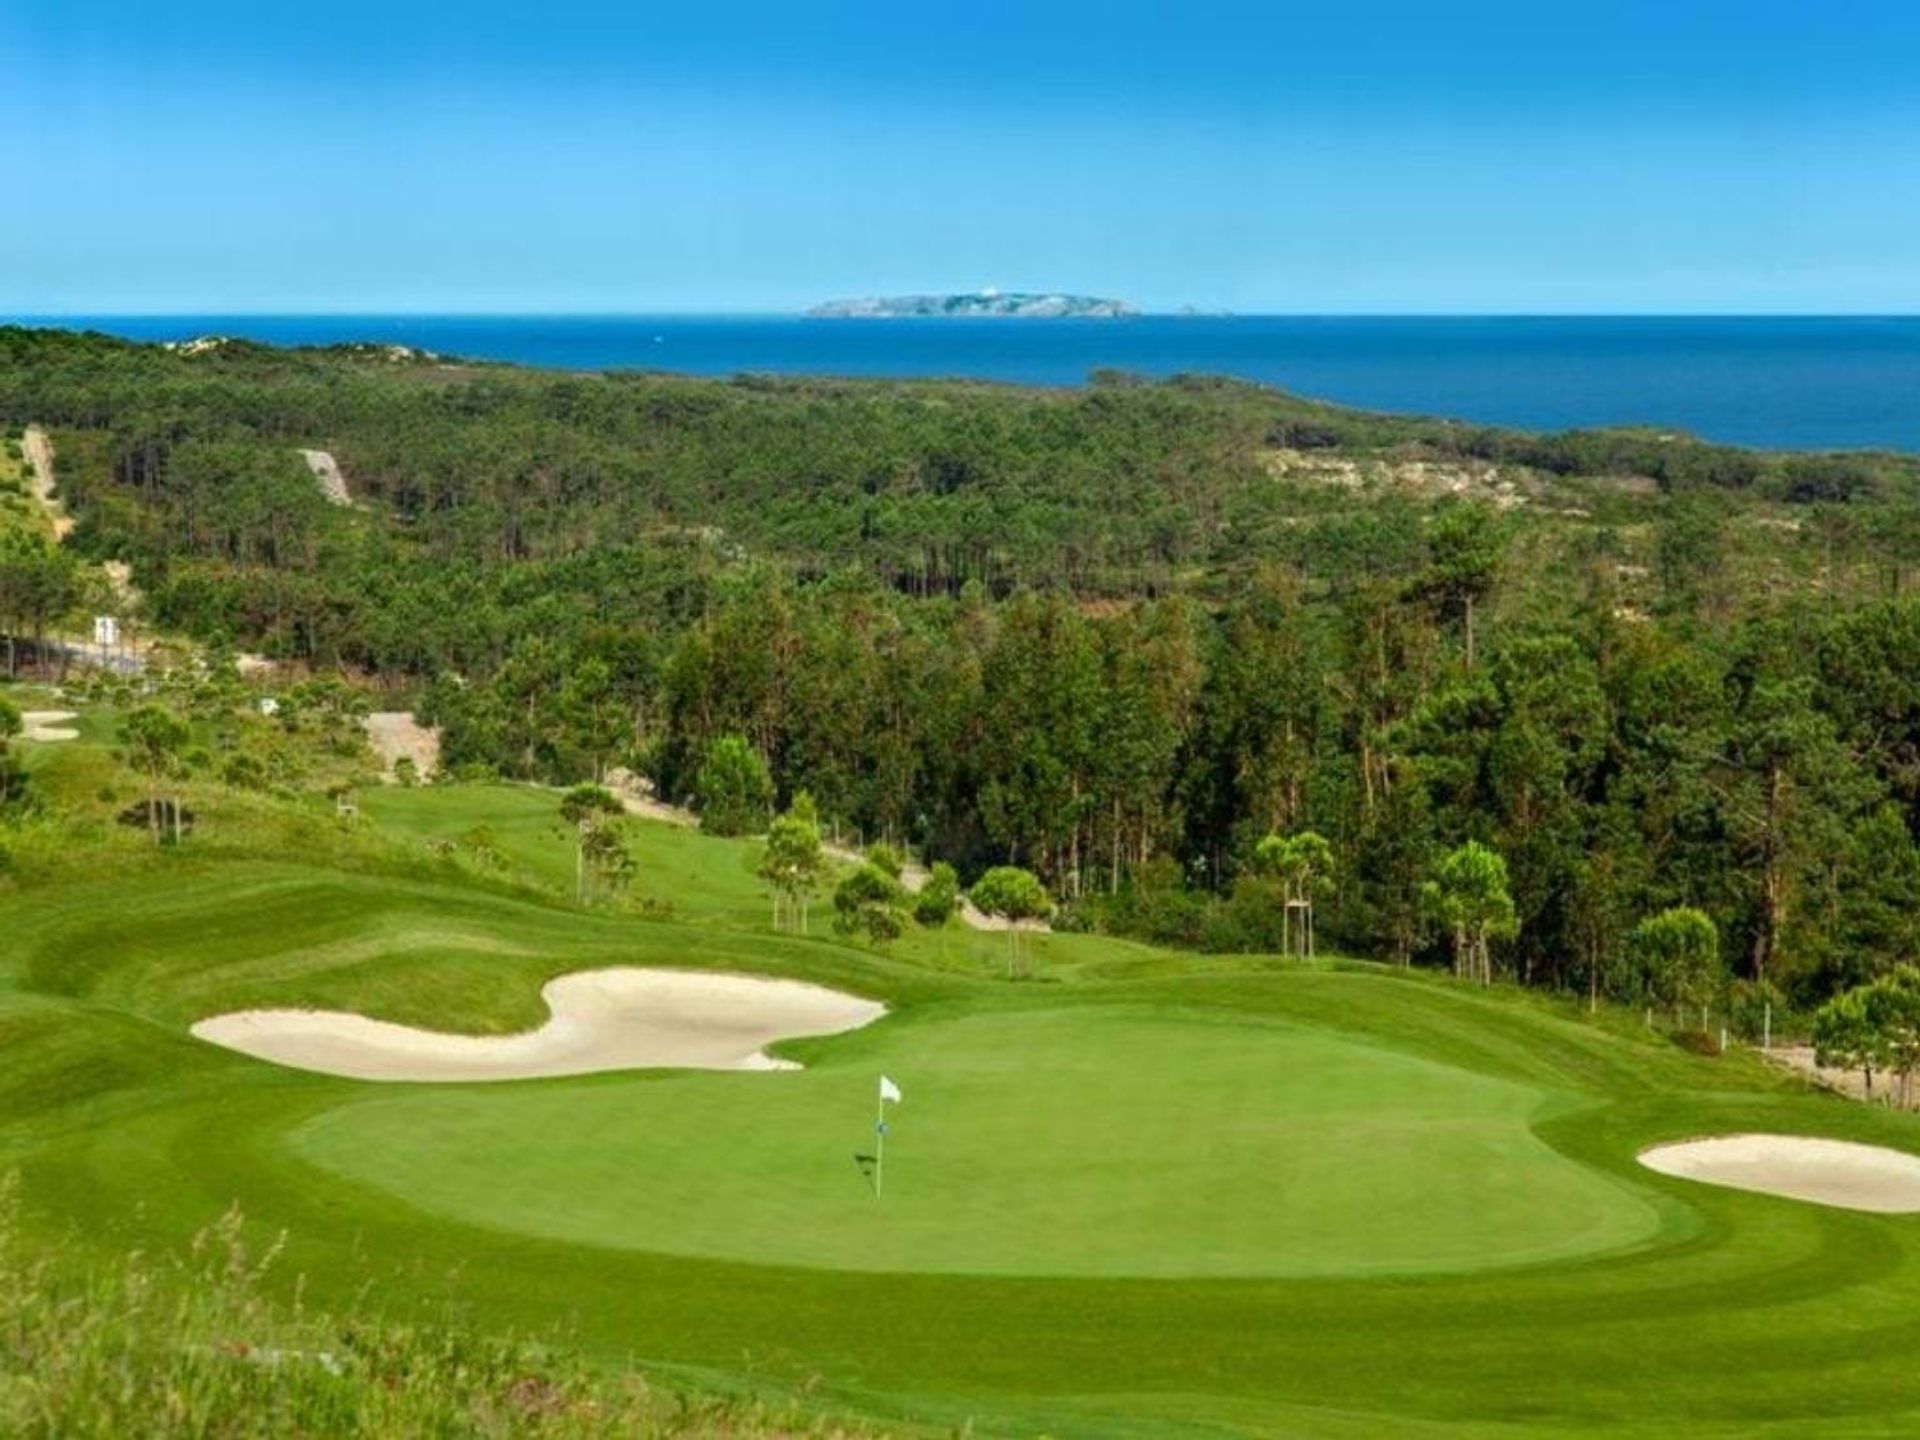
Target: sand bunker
{"points": [[1826, 1172], [47, 725], [617, 1019]]}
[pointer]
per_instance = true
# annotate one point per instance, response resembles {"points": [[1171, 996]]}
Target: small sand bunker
{"points": [[47, 725], [617, 1019], [1826, 1172]]}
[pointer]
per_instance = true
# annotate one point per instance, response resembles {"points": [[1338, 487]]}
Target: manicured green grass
{"points": [[1078, 1140], [1145, 1195]]}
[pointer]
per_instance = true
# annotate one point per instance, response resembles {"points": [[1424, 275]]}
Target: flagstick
{"points": [[880, 1147]]}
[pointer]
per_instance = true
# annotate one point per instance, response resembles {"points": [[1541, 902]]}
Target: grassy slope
{"points": [[1749, 1313]]}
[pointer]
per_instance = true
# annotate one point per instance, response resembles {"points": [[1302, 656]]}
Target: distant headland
{"points": [[990, 303]]}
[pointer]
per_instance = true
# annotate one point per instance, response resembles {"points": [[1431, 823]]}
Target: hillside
{"points": [[1119, 634]]}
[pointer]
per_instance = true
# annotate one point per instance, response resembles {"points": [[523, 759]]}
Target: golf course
{"points": [[1140, 1193]]}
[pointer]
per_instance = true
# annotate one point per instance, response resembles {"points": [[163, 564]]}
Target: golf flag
{"points": [[888, 1091]]}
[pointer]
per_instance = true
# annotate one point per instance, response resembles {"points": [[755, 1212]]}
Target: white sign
{"points": [[106, 630]]}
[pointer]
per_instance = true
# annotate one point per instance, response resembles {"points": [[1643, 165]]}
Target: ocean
{"points": [[1789, 383]]}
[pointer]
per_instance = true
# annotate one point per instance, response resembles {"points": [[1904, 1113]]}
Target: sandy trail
{"points": [[1800, 1059], [37, 446], [636, 797], [1798, 1167], [617, 1019], [914, 877], [47, 726], [395, 735], [326, 470]]}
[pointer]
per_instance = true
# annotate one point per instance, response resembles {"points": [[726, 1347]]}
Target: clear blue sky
{"points": [[1371, 155]]}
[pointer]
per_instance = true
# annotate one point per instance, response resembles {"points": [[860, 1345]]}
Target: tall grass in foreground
{"points": [[191, 1347]]}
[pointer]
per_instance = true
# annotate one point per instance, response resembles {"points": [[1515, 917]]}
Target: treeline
{"points": [[1094, 633], [1770, 776]]}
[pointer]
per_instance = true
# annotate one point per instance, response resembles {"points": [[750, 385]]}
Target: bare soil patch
{"points": [[37, 446], [396, 735], [326, 470]]}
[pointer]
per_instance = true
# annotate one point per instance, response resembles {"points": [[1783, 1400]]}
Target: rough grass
{"points": [[189, 1345]]}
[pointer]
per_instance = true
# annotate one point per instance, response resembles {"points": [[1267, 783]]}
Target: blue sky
{"points": [[1368, 156]]}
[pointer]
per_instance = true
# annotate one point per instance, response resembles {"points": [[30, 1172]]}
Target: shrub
{"points": [[939, 897], [868, 902]]}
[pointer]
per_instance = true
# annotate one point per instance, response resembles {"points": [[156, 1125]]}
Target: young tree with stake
{"points": [[1015, 896]]}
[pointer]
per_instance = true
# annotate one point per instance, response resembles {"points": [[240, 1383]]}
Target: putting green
{"points": [[1079, 1140]]}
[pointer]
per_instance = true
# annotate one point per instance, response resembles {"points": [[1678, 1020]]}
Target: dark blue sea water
{"points": [[1804, 383]]}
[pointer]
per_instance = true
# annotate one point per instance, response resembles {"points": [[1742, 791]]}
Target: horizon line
{"points": [[29, 317]]}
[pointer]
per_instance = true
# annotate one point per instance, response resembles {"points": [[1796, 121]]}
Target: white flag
{"points": [[889, 1090]]}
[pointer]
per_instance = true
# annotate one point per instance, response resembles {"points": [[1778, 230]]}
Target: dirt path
{"points": [[37, 446], [914, 877], [636, 797], [326, 470], [1799, 1059]]}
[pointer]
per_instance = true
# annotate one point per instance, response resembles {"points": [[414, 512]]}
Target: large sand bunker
{"points": [[47, 726], [616, 1019], [1826, 1172]]}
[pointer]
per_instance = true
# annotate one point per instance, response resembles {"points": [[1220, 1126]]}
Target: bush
{"points": [[939, 897], [868, 902], [244, 772]]}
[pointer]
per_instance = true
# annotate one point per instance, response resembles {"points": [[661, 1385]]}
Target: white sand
{"points": [[616, 1019], [1826, 1172], [47, 725]]}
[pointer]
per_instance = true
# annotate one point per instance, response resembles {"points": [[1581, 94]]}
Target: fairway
{"points": [[1076, 1141]]}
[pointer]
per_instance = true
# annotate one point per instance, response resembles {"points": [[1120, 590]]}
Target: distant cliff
{"points": [[986, 302]]}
